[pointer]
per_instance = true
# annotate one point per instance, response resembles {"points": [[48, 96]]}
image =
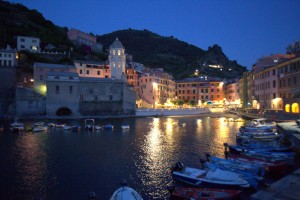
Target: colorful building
{"points": [[232, 96], [28, 43], [92, 69]]}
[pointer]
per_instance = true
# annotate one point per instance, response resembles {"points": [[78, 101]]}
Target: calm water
{"points": [[68, 165]]}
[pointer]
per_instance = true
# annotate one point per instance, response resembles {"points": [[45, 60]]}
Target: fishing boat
{"points": [[208, 178], [125, 127], [108, 127], [125, 193], [204, 194], [76, 128], [39, 129]]}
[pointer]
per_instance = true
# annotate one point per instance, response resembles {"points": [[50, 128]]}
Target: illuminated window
{"points": [[119, 64], [119, 52], [114, 52]]}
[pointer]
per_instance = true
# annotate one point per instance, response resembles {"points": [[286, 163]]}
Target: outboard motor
{"points": [[178, 166], [123, 183]]}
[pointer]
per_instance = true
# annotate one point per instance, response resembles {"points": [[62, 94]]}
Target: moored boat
{"points": [[89, 124], [125, 127], [108, 126], [125, 193], [39, 129], [16, 127], [208, 178], [204, 194]]}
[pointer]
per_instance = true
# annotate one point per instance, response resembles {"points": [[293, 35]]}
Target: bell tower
{"points": [[117, 59]]}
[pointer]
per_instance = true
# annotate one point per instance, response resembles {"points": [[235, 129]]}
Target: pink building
{"points": [[155, 89], [232, 95], [80, 38]]}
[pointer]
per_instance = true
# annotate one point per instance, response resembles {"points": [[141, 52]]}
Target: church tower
{"points": [[117, 60]]}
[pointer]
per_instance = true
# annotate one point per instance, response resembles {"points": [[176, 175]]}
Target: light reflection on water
{"points": [[69, 165]]}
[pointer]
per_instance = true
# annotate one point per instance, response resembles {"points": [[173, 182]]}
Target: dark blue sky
{"points": [[245, 29]]}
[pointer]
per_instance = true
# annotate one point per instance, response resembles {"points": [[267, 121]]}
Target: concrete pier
{"points": [[287, 188]]}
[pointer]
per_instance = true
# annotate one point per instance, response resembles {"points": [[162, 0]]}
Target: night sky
{"points": [[245, 29]]}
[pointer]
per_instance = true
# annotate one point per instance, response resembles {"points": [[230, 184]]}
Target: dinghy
{"points": [[125, 193]]}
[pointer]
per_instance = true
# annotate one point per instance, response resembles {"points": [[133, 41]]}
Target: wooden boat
{"points": [[125, 193], [208, 178], [125, 127], [204, 194]]}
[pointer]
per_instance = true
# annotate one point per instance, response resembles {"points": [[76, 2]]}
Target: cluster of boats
{"points": [[245, 165], [17, 127]]}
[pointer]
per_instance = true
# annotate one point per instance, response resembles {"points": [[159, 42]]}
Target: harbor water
{"points": [[61, 164]]}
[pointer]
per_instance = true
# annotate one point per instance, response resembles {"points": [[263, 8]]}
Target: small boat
{"points": [[204, 194], [208, 178], [125, 127], [76, 128], [60, 125], [262, 122], [97, 128], [51, 125], [89, 124], [39, 129], [68, 128], [16, 127], [109, 126], [39, 124], [125, 193]]}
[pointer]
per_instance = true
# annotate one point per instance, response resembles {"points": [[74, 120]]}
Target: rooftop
{"points": [[48, 65], [116, 45]]}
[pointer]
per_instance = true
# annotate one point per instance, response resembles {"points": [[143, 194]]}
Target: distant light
{"points": [[31, 80], [221, 69]]}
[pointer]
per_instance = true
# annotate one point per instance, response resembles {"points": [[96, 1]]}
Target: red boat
{"points": [[204, 194]]}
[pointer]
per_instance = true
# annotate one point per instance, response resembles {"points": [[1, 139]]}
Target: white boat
{"points": [[39, 124], [98, 127], [125, 193], [67, 128], [262, 122], [17, 127], [39, 128], [125, 127], [60, 125], [208, 178]]}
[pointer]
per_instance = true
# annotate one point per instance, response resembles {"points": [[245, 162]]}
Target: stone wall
{"points": [[7, 91]]}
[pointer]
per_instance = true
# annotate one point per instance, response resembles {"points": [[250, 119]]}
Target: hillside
{"points": [[176, 57]]}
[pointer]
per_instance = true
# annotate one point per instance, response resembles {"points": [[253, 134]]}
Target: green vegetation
{"points": [[177, 57]]}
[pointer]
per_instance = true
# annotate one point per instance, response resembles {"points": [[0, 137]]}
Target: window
{"points": [[274, 95], [57, 89], [110, 97], [91, 91], [119, 64], [119, 52], [114, 52], [80, 71], [71, 89], [22, 39], [87, 72], [96, 97], [274, 83], [22, 47], [98, 72]]}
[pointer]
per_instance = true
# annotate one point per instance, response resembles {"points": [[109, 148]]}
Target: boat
{"points": [[179, 193], [51, 125], [97, 128], [125, 193], [76, 128], [252, 179], [16, 127], [60, 125], [109, 126], [237, 149], [89, 124], [39, 129], [255, 169], [39, 124], [68, 128], [208, 178], [262, 122], [125, 127]]}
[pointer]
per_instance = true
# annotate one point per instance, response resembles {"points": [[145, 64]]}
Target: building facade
{"points": [[69, 94], [28, 43], [232, 95], [92, 69], [8, 57], [80, 38], [41, 70]]}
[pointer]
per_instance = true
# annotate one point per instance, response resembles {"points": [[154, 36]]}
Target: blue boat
{"points": [[108, 127]]}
